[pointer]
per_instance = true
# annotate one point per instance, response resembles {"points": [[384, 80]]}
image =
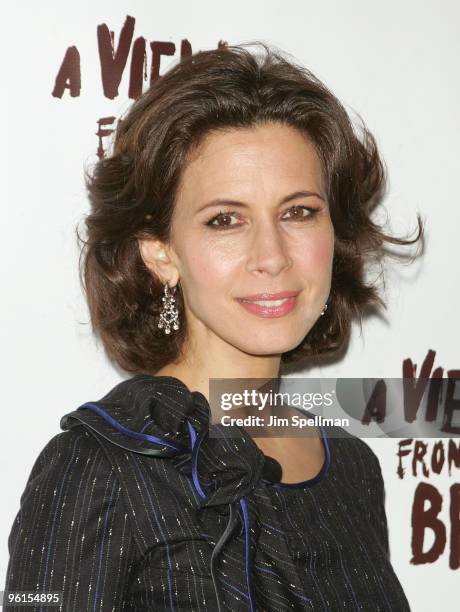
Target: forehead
{"points": [[237, 157]]}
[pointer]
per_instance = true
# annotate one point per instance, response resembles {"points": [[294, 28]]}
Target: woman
{"points": [[228, 236]]}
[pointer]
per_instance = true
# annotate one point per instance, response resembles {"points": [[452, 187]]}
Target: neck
{"points": [[196, 373]]}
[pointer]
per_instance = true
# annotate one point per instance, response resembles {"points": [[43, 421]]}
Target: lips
{"points": [[268, 296], [270, 305]]}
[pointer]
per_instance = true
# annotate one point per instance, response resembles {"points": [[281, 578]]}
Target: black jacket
{"points": [[135, 507]]}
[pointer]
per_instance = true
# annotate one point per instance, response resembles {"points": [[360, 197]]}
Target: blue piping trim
{"points": [[129, 432], [319, 476], [196, 443], [248, 551], [195, 448]]}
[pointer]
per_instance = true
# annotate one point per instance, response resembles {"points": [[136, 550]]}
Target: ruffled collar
{"points": [[159, 416], [145, 414]]}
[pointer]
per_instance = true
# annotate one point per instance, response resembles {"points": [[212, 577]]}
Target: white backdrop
{"points": [[394, 63]]}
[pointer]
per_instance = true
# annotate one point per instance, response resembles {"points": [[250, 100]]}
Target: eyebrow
{"points": [[293, 196]]}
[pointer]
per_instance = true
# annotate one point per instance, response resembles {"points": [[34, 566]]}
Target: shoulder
{"points": [[70, 470], [356, 456], [358, 467], [69, 458], [346, 440], [74, 444], [72, 525]]}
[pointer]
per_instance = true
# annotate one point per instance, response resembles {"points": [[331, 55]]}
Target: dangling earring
{"points": [[325, 307], [169, 315]]}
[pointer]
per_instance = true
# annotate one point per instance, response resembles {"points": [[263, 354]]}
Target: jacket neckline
{"points": [[155, 415], [160, 416]]}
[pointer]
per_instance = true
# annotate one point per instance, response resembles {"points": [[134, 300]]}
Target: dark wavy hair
{"points": [[132, 195]]}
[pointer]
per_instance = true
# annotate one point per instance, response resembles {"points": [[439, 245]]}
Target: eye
{"points": [[222, 220], [299, 210], [222, 216]]}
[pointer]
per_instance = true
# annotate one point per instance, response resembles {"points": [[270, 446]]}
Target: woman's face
{"points": [[276, 236]]}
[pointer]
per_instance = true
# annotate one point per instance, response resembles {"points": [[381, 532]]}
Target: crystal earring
{"points": [[324, 309], [169, 315]]}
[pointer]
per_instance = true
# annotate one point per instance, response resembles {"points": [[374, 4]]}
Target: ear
{"points": [[159, 259]]}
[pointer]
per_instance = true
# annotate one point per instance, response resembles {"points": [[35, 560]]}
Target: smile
{"points": [[269, 308], [270, 303]]}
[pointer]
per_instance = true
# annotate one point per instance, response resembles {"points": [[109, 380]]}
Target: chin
{"points": [[270, 348]]}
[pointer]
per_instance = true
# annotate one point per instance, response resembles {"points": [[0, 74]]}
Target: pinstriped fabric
{"points": [[118, 521], [72, 530]]}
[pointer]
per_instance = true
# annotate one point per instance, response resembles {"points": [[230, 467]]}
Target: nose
{"points": [[268, 249]]}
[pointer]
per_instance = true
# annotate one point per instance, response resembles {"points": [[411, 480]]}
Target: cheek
{"points": [[209, 268], [316, 254]]}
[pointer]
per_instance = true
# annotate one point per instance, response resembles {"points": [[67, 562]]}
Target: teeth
{"points": [[272, 303]]}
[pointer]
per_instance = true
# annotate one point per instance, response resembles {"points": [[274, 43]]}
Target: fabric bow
{"points": [[159, 416]]}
